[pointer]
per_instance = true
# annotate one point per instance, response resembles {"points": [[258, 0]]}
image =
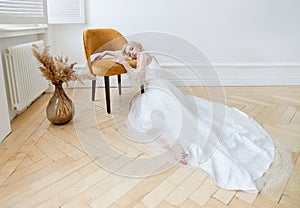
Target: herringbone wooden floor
{"points": [[42, 165]]}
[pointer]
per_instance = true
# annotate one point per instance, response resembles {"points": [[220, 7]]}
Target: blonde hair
{"points": [[134, 44]]}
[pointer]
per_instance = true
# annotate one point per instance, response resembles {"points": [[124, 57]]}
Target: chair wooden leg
{"points": [[119, 84], [93, 89], [107, 94], [142, 89]]}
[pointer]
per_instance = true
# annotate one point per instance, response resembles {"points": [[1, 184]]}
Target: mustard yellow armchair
{"points": [[98, 40]]}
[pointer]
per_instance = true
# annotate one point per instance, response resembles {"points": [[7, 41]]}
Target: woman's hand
{"points": [[114, 54]]}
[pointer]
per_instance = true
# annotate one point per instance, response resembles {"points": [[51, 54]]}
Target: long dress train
{"points": [[223, 141]]}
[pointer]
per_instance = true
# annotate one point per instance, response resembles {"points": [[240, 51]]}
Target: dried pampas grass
{"points": [[54, 68]]}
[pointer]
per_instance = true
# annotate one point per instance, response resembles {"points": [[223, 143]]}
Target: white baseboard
{"points": [[223, 74]]}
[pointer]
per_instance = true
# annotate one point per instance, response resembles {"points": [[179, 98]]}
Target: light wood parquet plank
{"points": [[36, 108], [292, 189], [185, 189], [249, 198], [296, 117], [29, 169], [17, 138], [289, 201], [75, 189], [213, 203], [290, 129], [290, 99], [87, 122], [73, 152], [224, 196], [67, 137], [113, 206], [96, 154], [264, 114], [67, 148], [286, 137], [9, 192], [158, 194], [238, 203], [145, 168], [115, 139], [113, 194], [248, 107], [2, 149], [180, 175], [287, 115], [257, 110], [139, 205], [262, 201], [36, 154], [145, 187], [106, 124], [48, 192], [275, 115], [50, 150], [38, 181], [165, 204], [20, 153], [190, 204], [84, 198], [273, 100], [69, 128], [231, 101], [251, 99], [114, 165], [205, 192], [96, 146], [24, 164], [89, 168]]}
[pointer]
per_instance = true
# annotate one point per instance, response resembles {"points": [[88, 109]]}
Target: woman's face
{"points": [[132, 50]]}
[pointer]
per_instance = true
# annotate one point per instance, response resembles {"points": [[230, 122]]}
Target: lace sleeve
{"points": [[137, 75]]}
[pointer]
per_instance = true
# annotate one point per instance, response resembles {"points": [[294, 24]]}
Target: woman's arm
{"points": [[115, 54], [138, 73]]}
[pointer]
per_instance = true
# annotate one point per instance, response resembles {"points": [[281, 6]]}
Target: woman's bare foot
{"points": [[183, 161], [179, 153]]}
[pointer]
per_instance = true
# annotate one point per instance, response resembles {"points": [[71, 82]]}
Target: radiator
{"points": [[25, 81]]}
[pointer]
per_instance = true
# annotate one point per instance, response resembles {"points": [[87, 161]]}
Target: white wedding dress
{"points": [[223, 141]]}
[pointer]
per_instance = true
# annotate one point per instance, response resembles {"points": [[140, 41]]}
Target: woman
{"points": [[223, 141]]}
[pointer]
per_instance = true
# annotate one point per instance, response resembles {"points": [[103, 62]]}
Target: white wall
{"points": [[251, 36], [5, 128]]}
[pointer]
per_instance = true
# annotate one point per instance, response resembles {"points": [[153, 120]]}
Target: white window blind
{"points": [[23, 12], [66, 11]]}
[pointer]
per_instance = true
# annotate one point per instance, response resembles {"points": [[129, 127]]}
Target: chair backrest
{"points": [[100, 39]]}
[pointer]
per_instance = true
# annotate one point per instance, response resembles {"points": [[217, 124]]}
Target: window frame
{"points": [[10, 18], [61, 17]]}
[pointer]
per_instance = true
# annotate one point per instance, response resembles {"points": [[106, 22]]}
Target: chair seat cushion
{"points": [[107, 67]]}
